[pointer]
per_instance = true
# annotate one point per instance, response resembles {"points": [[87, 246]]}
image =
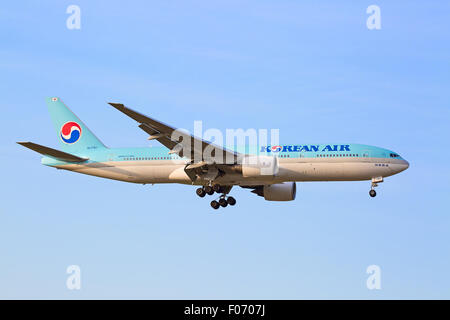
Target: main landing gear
{"points": [[223, 200], [375, 182], [201, 192]]}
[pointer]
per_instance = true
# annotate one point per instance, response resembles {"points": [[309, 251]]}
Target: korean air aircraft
{"points": [[270, 172]]}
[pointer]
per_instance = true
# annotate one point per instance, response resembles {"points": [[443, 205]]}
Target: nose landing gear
{"points": [[375, 182]]}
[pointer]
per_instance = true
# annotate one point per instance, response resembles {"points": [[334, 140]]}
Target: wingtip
{"points": [[115, 105]]}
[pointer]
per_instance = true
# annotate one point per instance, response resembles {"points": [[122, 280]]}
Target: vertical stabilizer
{"points": [[73, 134]]}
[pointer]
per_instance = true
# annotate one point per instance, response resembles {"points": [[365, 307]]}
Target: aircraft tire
{"points": [[215, 204], [231, 201], [200, 192], [209, 190], [223, 202]]}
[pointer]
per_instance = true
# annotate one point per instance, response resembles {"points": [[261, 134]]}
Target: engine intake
{"points": [[285, 191]]}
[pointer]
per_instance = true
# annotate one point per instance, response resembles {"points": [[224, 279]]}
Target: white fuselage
{"points": [[290, 169]]}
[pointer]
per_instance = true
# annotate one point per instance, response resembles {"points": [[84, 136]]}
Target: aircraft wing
{"points": [[179, 142]]}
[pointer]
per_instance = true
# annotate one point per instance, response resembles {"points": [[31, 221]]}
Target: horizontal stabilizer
{"points": [[46, 151]]}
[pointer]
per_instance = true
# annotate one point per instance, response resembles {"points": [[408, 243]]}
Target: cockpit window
{"points": [[394, 155]]}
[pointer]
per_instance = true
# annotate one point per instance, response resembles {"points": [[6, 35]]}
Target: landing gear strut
{"points": [[209, 190], [375, 182]]}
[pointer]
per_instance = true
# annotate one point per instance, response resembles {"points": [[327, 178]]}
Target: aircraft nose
{"points": [[404, 165]]}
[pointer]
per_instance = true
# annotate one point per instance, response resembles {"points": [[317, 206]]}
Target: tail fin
{"points": [[73, 134]]}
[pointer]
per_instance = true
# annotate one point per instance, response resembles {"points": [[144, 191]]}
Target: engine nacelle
{"points": [[284, 191], [257, 166]]}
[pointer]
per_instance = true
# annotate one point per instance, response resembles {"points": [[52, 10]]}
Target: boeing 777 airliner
{"points": [[270, 171]]}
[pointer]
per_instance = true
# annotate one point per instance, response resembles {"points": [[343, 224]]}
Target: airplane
{"points": [[270, 172]]}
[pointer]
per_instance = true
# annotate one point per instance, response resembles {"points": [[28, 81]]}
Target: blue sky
{"points": [[311, 69]]}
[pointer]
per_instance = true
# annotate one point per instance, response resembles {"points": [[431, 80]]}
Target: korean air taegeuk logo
{"points": [[70, 132]]}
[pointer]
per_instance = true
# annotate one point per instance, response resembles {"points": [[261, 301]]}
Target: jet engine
{"points": [[284, 191]]}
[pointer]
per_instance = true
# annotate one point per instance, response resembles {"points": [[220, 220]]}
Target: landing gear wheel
{"points": [[209, 190], [216, 187], [231, 201], [372, 193], [215, 204], [223, 202], [200, 192]]}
